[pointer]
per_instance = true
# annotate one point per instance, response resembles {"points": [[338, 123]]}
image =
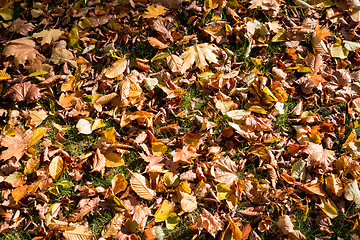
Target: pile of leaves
{"points": [[160, 119]]}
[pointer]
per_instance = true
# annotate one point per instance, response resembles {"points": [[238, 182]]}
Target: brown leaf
{"points": [[212, 224], [25, 91], [23, 50], [22, 27], [157, 43], [16, 145], [99, 162]]}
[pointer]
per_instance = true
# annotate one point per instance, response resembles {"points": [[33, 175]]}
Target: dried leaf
{"points": [[15, 145], [77, 233], [25, 91], [154, 12], [164, 211], [23, 50], [49, 35], [141, 186], [119, 183], [200, 54], [117, 68]]}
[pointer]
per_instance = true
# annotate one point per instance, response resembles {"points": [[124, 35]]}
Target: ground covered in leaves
{"points": [[168, 119]]}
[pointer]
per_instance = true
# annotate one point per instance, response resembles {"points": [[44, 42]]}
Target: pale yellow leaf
{"points": [[49, 35], [200, 54], [77, 233], [117, 68], [141, 186]]}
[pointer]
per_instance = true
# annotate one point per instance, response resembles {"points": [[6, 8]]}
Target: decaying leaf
{"points": [[25, 91]]}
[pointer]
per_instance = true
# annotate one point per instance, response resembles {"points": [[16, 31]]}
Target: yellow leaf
{"points": [[56, 167], [328, 209], [7, 13], [154, 12], [172, 221], [171, 179], [98, 123], [158, 148], [74, 39], [109, 134], [4, 75], [257, 109], [164, 211], [141, 186], [31, 165], [119, 183], [184, 186], [114, 159], [37, 135], [222, 191]]}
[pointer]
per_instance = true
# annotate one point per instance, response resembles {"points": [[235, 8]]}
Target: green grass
{"points": [[282, 122], [98, 221], [18, 234]]}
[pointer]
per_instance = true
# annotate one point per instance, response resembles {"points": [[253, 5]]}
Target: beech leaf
{"points": [[141, 186]]}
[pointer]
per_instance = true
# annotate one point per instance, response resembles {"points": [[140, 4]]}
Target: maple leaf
{"points": [[25, 91], [319, 156], [225, 170], [186, 154], [16, 145], [200, 54], [49, 35], [23, 50], [22, 27], [154, 12], [212, 224]]}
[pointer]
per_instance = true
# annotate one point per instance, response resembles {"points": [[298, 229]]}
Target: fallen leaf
{"points": [[119, 183], [15, 145], [154, 11], [157, 43], [25, 91], [164, 211], [77, 233], [23, 50], [49, 35], [141, 186], [212, 224], [117, 68], [200, 54], [56, 167]]}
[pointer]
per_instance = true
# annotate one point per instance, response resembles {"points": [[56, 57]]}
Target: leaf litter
{"points": [[195, 119]]}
